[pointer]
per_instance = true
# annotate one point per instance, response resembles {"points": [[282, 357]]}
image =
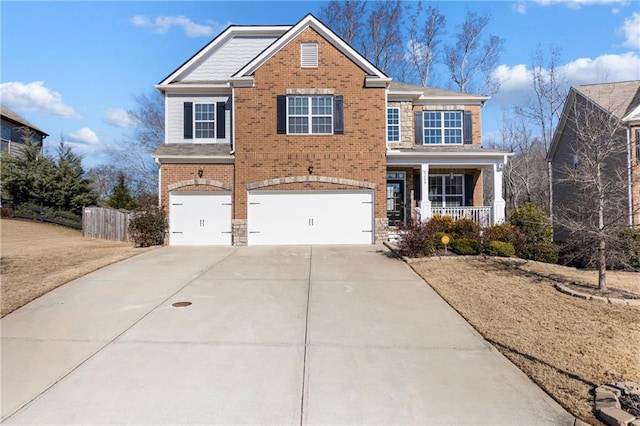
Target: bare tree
{"points": [[382, 38], [424, 40], [595, 212], [345, 18], [133, 154], [472, 57], [544, 108]]}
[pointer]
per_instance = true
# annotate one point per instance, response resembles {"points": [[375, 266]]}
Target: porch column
{"points": [[498, 204], [425, 204]]}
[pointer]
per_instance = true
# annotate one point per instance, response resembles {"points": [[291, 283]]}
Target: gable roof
{"points": [[620, 99], [373, 73], [8, 114]]}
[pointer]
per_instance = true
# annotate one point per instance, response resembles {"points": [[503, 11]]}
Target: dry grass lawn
{"points": [[565, 344], [37, 257]]}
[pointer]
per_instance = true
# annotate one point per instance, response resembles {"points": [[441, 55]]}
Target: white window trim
{"points": [[444, 188], [399, 124], [309, 114], [214, 121], [442, 127]]}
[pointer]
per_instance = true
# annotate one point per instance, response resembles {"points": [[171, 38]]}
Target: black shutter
{"points": [[338, 115], [188, 120], [417, 187], [419, 127], [220, 120], [467, 128], [468, 189], [281, 121]]}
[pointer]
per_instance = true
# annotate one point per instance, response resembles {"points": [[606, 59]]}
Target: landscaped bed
{"points": [[38, 257], [567, 345]]}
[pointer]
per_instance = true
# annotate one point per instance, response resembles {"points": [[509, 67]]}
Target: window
{"points": [[393, 124], [442, 127], [309, 55], [204, 121], [446, 190], [310, 114], [6, 133]]}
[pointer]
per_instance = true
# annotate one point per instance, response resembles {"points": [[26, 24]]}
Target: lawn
{"points": [[38, 257], [565, 344]]}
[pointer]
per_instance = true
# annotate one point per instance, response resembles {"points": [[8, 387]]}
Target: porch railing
{"points": [[480, 215]]}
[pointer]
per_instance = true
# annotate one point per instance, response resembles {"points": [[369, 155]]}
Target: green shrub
{"points": [[500, 248], [148, 226], [465, 228], [440, 224], [505, 233], [466, 246], [533, 223], [416, 240], [541, 252]]}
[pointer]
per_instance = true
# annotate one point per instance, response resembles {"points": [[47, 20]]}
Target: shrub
{"points": [[416, 240], [466, 246], [500, 248], [533, 223], [148, 226], [505, 233], [440, 224], [541, 252], [465, 228]]}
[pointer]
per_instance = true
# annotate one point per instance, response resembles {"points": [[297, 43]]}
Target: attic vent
{"points": [[309, 55]]}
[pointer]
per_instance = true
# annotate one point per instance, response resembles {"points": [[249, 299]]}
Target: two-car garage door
{"points": [[274, 217], [310, 217]]}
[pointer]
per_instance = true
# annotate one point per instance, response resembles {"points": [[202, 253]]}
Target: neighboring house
{"points": [[621, 102], [12, 132], [287, 135]]}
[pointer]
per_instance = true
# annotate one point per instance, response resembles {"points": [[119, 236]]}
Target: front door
{"points": [[395, 201]]}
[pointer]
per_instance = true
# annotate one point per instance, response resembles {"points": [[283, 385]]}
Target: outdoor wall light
{"points": [[200, 172], [310, 170]]}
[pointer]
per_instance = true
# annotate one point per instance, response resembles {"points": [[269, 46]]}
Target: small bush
{"points": [[505, 233], [541, 252], [440, 224], [500, 248], [533, 223], [466, 246], [148, 226], [416, 240], [465, 228]]}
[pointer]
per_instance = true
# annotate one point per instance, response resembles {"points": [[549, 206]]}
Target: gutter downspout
{"points": [[629, 187]]}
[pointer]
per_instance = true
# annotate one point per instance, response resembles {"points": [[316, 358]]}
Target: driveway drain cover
{"points": [[181, 304]]}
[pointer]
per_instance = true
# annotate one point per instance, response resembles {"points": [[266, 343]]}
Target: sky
{"points": [[73, 68]]}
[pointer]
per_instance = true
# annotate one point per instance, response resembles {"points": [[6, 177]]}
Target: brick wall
{"points": [[263, 154], [172, 173]]}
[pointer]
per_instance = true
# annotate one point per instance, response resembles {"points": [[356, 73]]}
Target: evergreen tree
{"points": [[120, 196]]}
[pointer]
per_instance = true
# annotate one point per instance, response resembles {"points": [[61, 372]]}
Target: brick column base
{"points": [[239, 232]]}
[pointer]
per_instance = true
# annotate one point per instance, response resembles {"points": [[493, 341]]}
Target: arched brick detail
{"points": [[197, 182], [311, 178]]}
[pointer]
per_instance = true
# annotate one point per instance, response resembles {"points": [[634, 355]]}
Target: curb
{"points": [[613, 300]]}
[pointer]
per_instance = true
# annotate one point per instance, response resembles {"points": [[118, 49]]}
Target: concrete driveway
{"points": [[274, 335]]}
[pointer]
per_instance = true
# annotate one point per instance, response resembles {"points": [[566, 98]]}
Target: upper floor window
{"points": [[309, 55], [6, 132], [443, 127], [204, 120], [310, 114], [393, 124]]}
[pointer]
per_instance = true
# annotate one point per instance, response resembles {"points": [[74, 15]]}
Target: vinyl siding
{"points": [[175, 120], [228, 58]]}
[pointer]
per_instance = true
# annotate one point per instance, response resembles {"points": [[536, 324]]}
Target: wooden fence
{"points": [[105, 224]]}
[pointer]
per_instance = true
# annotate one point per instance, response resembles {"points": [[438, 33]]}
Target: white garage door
{"points": [[310, 217], [200, 218]]}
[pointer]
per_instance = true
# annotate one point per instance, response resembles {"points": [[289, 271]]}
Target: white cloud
{"points": [[162, 24], [118, 117], [34, 96], [84, 136], [516, 86], [577, 4], [520, 7], [630, 29]]}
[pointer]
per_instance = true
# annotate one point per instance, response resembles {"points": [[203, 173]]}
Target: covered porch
{"points": [[427, 181]]}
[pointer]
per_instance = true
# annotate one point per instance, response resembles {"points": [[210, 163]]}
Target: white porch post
{"points": [[425, 204], [498, 205]]}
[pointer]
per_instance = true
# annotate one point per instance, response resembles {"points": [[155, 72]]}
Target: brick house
{"points": [[287, 135], [620, 101]]}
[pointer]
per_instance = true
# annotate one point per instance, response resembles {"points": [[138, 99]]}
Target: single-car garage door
{"points": [[200, 218], [310, 217]]}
